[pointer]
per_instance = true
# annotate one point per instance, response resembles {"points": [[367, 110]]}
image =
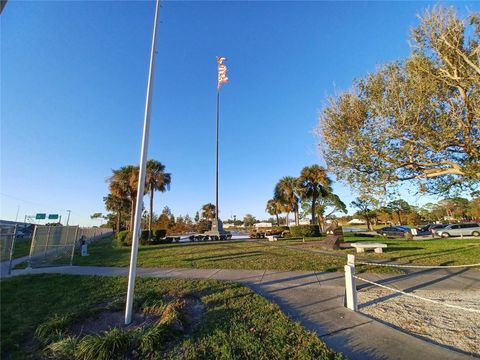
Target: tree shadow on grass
{"points": [[227, 256], [393, 249], [431, 254]]}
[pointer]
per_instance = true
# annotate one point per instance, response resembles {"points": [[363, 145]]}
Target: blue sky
{"points": [[73, 82]]}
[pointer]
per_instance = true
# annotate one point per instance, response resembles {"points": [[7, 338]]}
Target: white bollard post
{"points": [[350, 287], [351, 260]]}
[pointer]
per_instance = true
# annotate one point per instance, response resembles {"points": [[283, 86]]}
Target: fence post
{"points": [[350, 286], [73, 246], [12, 248], [351, 260], [48, 239], [32, 246]]}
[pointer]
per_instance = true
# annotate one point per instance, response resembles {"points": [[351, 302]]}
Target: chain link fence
{"points": [[92, 234], [55, 245], [52, 245], [7, 245]]}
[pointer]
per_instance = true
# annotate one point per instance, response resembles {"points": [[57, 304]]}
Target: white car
{"points": [[470, 229]]}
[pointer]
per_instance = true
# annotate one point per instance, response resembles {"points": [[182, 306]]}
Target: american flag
{"points": [[222, 71]]}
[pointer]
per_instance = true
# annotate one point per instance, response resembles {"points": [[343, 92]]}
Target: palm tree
{"points": [[123, 184], [286, 191], [156, 179], [274, 207], [118, 205], [313, 183]]}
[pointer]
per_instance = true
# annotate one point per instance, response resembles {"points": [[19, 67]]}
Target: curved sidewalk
{"points": [[316, 300]]}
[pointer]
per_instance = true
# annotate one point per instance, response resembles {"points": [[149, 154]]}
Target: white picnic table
{"points": [[361, 247]]}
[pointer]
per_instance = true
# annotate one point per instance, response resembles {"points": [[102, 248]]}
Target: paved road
{"points": [[316, 300]]}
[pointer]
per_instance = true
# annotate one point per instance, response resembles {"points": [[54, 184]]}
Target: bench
{"points": [[361, 247]]}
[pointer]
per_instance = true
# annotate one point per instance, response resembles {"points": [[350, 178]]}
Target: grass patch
{"points": [[262, 255], [236, 324], [22, 247], [211, 255], [430, 252], [450, 251]]}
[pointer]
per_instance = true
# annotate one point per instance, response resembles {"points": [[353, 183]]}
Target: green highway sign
{"points": [[40, 216], [52, 216]]}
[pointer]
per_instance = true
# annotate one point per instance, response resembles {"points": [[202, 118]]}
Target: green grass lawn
{"points": [[211, 255], [22, 248], [261, 255], [432, 251], [452, 251], [237, 323]]}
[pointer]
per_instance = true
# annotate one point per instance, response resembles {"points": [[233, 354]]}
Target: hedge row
{"points": [[305, 231], [124, 238]]}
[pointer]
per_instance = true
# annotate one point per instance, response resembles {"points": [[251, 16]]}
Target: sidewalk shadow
{"points": [[410, 289], [423, 338]]}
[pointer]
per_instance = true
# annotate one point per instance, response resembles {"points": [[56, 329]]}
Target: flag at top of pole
{"points": [[222, 71]]}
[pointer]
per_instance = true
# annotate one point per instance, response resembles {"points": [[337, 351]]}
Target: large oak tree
{"points": [[416, 119]]}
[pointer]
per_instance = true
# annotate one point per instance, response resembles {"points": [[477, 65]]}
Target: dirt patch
{"points": [[191, 308], [106, 320], [455, 328]]}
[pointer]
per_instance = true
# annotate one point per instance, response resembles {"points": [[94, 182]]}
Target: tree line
{"points": [[400, 212], [121, 200]]}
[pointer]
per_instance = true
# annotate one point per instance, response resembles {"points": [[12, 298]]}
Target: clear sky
{"points": [[73, 82]]}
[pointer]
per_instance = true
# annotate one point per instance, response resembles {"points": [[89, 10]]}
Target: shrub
{"points": [[122, 238], [160, 233], [305, 231], [53, 329], [158, 236], [145, 237], [111, 344], [63, 349], [155, 337]]}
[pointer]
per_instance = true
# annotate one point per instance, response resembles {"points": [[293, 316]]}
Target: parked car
{"points": [[430, 228], [398, 231], [466, 229]]}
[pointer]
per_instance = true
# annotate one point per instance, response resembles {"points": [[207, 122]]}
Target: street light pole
{"points": [[141, 176]]}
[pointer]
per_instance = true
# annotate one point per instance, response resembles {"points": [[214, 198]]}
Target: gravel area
{"points": [[452, 327]]}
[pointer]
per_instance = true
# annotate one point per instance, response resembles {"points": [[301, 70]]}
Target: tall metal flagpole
{"points": [[216, 174], [141, 181]]}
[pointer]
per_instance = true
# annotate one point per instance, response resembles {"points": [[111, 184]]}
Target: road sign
{"points": [[52, 216], [40, 216]]}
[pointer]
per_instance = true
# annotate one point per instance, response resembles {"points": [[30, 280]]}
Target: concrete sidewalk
{"points": [[316, 300]]}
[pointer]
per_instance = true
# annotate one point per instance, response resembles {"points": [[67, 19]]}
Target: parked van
{"points": [[470, 229]]}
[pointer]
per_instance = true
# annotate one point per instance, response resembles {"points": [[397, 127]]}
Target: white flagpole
{"points": [[141, 180]]}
